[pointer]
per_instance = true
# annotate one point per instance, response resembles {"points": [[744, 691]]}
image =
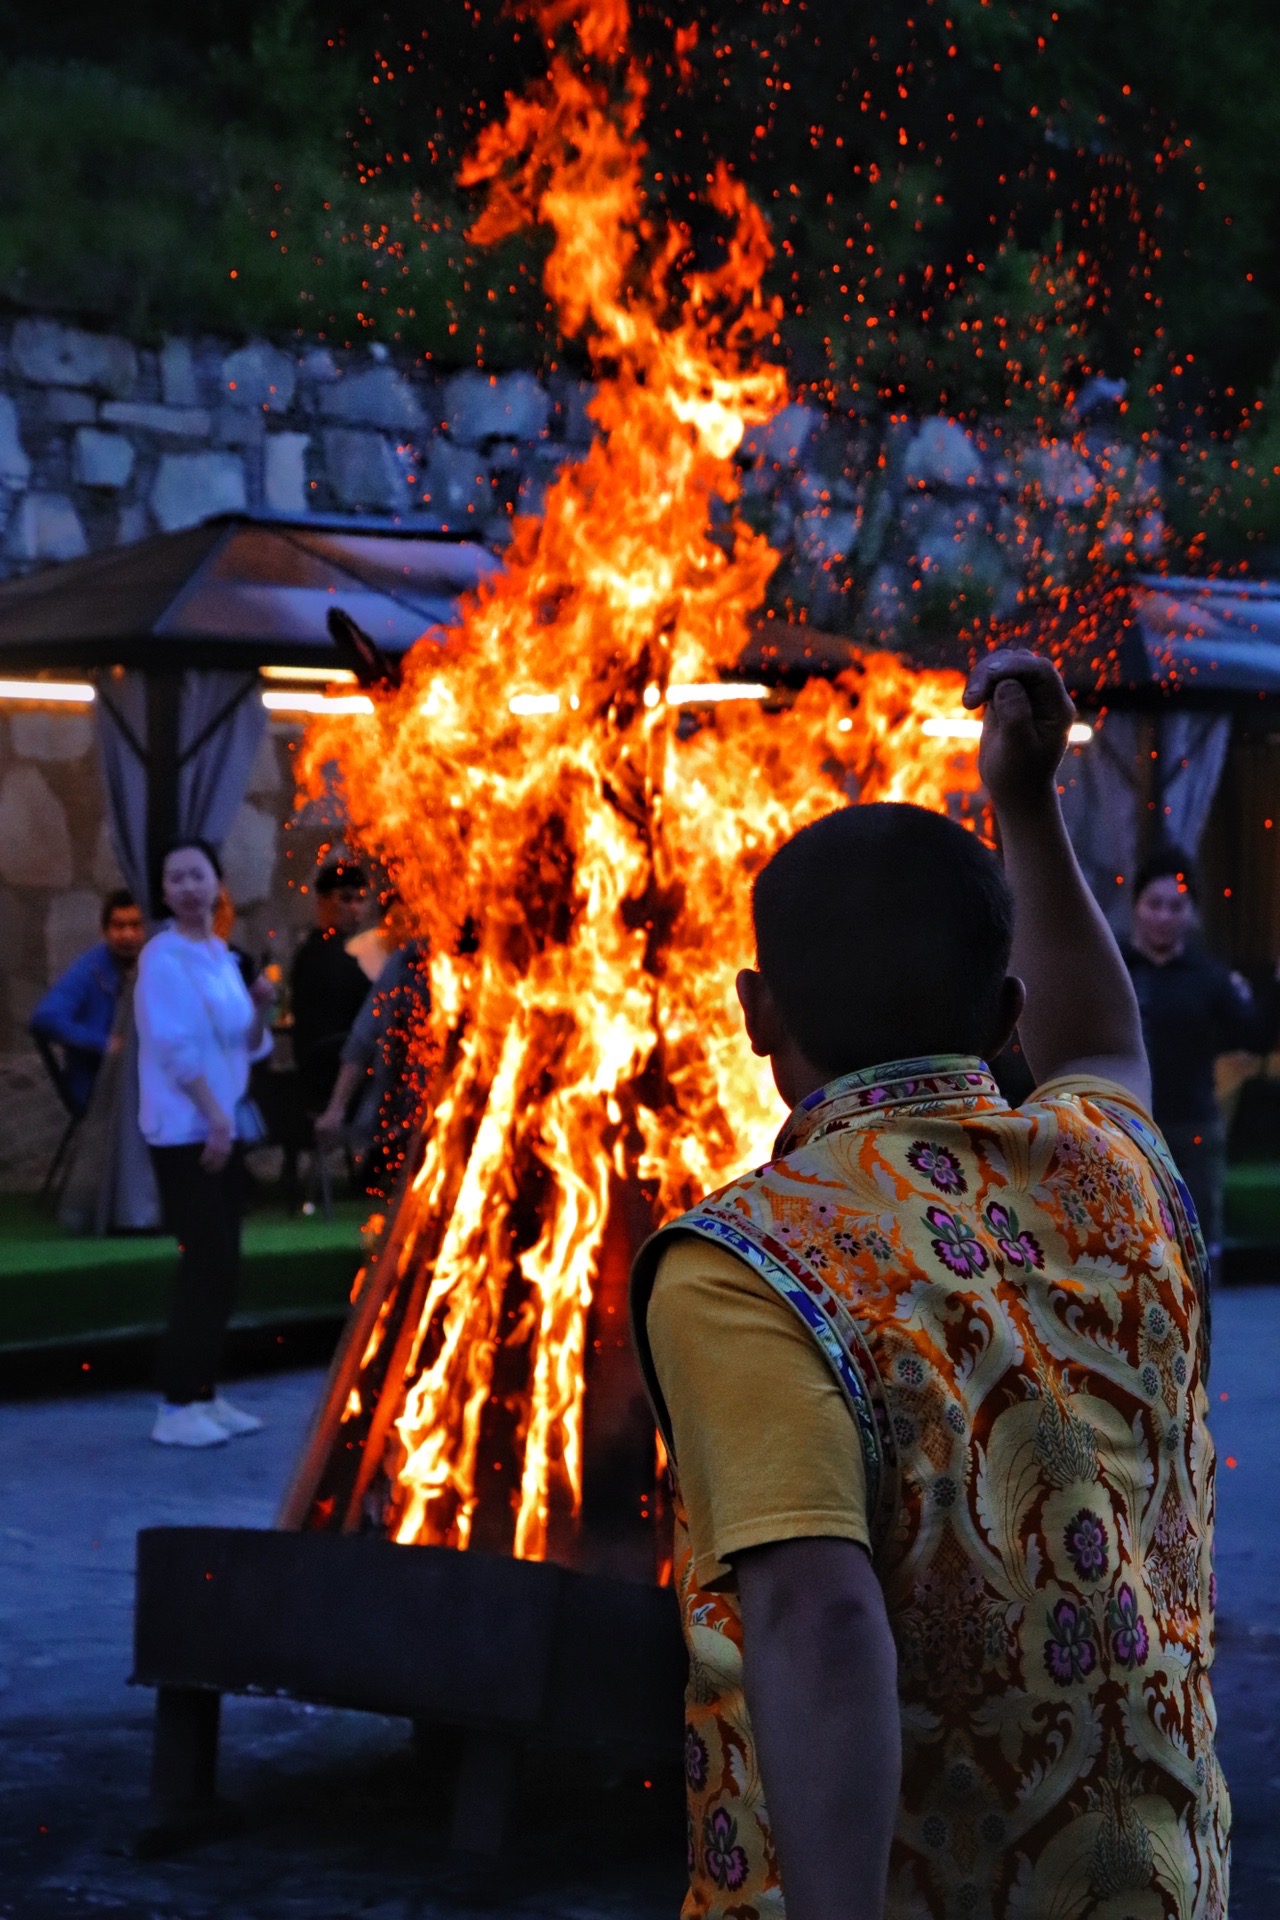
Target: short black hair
{"points": [[1166, 863], [181, 842], [883, 933], [119, 900], [342, 873]]}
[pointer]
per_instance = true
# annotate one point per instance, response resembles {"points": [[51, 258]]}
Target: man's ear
{"points": [[765, 1028], [1013, 998]]}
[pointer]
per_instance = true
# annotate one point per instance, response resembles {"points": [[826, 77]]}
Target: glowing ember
{"points": [[564, 782]]}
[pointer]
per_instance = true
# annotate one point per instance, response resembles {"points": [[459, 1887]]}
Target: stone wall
{"points": [[883, 528], [104, 442]]}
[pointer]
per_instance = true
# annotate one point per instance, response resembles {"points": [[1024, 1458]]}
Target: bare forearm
{"points": [[197, 1091], [1081, 1006], [821, 1682], [349, 1077]]}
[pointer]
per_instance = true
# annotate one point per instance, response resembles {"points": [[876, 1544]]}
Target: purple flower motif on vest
{"points": [[955, 1243], [726, 1861], [938, 1165], [1069, 1652], [695, 1760], [1129, 1640], [1019, 1249], [1086, 1543]]}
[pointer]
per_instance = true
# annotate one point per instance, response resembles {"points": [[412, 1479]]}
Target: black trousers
{"points": [[203, 1212]]}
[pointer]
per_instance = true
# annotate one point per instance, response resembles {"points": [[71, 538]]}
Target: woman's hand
{"points": [[263, 993], [217, 1147]]}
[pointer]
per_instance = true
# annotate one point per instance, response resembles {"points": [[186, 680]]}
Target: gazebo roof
{"points": [[239, 591]]}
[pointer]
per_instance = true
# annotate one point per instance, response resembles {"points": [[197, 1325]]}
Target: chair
{"points": [[57, 1073]]}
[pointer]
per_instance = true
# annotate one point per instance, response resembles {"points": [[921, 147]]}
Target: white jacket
{"points": [[194, 1016]]}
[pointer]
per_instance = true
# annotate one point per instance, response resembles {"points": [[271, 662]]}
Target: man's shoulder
{"points": [[89, 963]]}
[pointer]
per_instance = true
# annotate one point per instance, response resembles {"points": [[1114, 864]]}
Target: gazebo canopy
{"points": [[238, 592], [1201, 643]]}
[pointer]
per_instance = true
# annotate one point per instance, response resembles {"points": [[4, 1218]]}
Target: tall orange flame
{"points": [[535, 780]]}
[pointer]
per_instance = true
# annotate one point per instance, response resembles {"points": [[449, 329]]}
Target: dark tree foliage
{"points": [[972, 202]]}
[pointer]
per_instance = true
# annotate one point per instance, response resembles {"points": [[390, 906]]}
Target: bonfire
{"points": [[572, 794]]}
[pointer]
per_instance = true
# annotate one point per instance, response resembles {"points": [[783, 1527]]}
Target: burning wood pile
{"points": [[569, 781]]}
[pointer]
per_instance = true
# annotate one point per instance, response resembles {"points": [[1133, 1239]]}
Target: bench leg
{"points": [[184, 1756], [483, 1796], [185, 1809]]}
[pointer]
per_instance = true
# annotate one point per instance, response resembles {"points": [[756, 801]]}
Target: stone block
{"points": [[177, 423], [65, 407], [363, 469], [501, 406], [45, 526], [249, 855], [238, 427], [456, 484], [318, 364], [191, 487], [132, 523], [35, 841], [572, 398], [827, 536], [105, 871], [179, 381], [15, 461], [284, 472], [782, 441], [56, 356], [1059, 475], [261, 377], [1150, 537], [101, 459], [71, 925], [942, 453], [44, 733], [378, 397]]}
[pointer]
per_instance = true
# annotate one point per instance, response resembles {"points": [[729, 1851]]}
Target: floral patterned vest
{"points": [[1010, 1300]]}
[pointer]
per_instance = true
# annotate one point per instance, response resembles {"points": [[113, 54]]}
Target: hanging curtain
{"points": [[1193, 750], [1103, 784], [192, 780], [120, 714], [1109, 783], [220, 727]]}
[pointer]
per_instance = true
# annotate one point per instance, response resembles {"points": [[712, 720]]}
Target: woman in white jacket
{"points": [[199, 1029]]}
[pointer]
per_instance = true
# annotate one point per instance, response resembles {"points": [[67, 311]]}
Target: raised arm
{"points": [[1081, 1014]]}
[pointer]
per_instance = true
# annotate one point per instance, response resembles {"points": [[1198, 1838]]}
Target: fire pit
{"points": [[506, 1650], [571, 797]]}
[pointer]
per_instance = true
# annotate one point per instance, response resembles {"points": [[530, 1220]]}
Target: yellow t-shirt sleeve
{"points": [[1085, 1086], [765, 1444]]}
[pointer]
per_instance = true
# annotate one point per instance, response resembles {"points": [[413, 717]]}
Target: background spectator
{"points": [[1193, 1009], [79, 1010], [382, 1068], [199, 1028], [374, 947], [327, 985]]}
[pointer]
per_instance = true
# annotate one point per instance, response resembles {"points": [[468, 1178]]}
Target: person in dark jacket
{"points": [[79, 1010], [327, 985], [1193, 1009]]}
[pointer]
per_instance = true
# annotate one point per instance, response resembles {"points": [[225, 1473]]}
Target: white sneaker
{"points": [[189, 1426], [234, 1419]]}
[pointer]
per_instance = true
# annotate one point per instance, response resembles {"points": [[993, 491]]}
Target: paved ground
{"points": [[344, 1819]]}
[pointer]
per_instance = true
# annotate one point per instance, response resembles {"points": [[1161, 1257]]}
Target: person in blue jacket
{"points": [[79, 1010]]}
